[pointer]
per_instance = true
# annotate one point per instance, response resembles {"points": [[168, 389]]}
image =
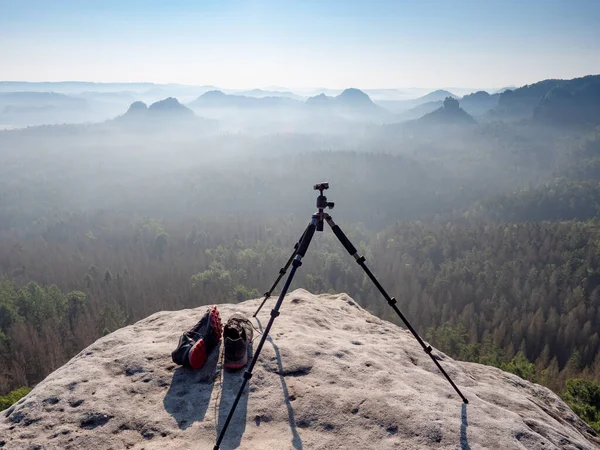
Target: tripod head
{"points": [[322, 203]]}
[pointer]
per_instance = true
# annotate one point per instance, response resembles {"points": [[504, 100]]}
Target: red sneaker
{"points": [[196, 344]]}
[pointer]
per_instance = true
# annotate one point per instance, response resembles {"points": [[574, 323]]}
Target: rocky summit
{"points": [[331, 376]]}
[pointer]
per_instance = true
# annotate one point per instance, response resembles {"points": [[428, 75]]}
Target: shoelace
{"points": [[194, 333], [256, 329], [239, 320]]}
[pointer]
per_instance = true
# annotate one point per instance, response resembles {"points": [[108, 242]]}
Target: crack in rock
{"points": [[94, 420]]}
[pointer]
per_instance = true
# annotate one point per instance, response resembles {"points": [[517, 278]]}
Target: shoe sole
{"points": [[199, 352], [234, 366]]}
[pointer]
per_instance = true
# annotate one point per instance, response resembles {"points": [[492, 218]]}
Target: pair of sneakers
{"points": [[196, 344]]}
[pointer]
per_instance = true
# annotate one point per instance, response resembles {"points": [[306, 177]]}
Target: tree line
{"points": [[478, 289]]}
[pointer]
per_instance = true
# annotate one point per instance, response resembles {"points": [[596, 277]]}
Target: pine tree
{"points": [[550, 376], [573, 367], [543, 360], [107, 276]]}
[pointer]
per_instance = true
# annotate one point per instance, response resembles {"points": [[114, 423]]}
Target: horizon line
{"points": [[275, 88]]}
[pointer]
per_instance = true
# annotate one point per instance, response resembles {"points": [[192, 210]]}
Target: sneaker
{"points": [[196, 344], [238, 337]]}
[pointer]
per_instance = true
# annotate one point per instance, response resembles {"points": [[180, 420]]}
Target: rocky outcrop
{"points": [[331, 376], [449, 114]]}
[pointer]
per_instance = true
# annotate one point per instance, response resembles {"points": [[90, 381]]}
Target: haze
{"points": [[161, 155]]}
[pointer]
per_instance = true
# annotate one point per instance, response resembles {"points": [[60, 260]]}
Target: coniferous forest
{"points": [[488, 234]]}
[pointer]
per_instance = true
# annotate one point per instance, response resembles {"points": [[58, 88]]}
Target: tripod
{"points": [[316, 224]]}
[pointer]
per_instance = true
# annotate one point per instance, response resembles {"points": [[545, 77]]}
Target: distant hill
{"points": [[351, 100], [554, 200], [21, 109], [479, 103], [521, 102], [11, 109], [449, 114], [218, 99], [117, 97], [575, 101], [37, 99], [386, 94], [170, 106], [403, 106], [261, 93], [320, 101], [137, 108], [354, 98], [435, 96], [474, 104], [507, 88], [420, 110], [164, 112]]}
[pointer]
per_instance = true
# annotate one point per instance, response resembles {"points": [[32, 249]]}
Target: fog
{"points": [[185, 177], [477, 210], [253, 152]]}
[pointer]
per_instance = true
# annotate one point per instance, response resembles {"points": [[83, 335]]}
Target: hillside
{"points": [[358, 382], [479, 102], [573, 192], [351, 100], [218, 99], [557, 200], [419, 111], [450, 113], [32, 99], [167, 112], [436, 96], [262, 93], [20, 109], [475, 104], [405, 105], [575, 101]]}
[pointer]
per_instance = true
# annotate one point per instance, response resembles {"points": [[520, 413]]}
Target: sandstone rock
{"points": [[332, 376]]}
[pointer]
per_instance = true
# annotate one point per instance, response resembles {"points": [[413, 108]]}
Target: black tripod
{"points": [[316, 224]]}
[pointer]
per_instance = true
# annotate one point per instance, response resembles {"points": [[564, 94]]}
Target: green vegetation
{"points": [[12, 397], [40, 329], [488, 236], [583, 396], [557, 102]]}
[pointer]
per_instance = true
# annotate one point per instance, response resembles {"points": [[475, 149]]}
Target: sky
{"points": [[312, 43]]}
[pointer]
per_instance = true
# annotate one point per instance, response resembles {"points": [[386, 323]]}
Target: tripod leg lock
{"points": [[359, 259], [428, 349], [274, 313], [392, 301], [281, 271], [247, 375]]}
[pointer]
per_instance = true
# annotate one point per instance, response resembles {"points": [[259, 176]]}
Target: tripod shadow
{"points": [[189, 394], [230, 385], [296, 441], [464, 442]]}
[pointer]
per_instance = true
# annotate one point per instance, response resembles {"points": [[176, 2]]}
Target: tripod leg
{"points": [[282, 272], [391, 300], [297, 262]]}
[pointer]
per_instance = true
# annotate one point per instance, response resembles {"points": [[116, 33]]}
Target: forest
{"points": [[488, 236]]}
